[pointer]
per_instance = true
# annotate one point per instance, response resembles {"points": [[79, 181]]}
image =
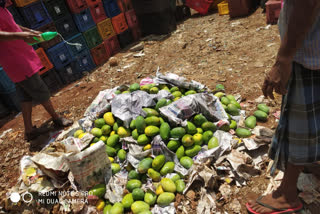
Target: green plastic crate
{"points": [[92, 37]]}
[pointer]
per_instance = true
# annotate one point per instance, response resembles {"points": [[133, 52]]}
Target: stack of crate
{"points": [[102, 27]]}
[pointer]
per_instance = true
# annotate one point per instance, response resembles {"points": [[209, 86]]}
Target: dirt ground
{"points": [[209, 49]]}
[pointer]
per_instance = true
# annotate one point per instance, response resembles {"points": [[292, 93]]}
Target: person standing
{"points": [[22, 65], [296, 75]]}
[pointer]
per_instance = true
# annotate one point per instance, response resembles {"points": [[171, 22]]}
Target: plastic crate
{"points": [[121, 6], [111, 7], [182, 13], [6, 85], [112, 44], [56, 8], [23, 3], [100, 54], [157, 23], [66, 27], [11, 101], [91, 3], [119, 23], [47, 65], [97, 12], [17, 16], [76, 6], [127, 5], [131, 18], [4, 111], [215, 3], [76, 49], [238, 8], [223, 8], [202, 6], [47, 44], [273, 9], [136, 33], [35, 15], [125, 38], [92, 37], [85, 61], [59, 55], [105, 29], [70, 72], [84, 20], [150, 6], [52, 80]]}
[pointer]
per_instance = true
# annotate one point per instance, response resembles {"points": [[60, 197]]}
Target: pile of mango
{"points": [[186, 142]]}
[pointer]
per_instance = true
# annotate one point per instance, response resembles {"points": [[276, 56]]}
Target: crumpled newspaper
{"points": [[116, 186], [164, 210], [202, 173], [159, 147], [225, 144], [32, 179], [53, 165], [91, 166], [241, 163], [77, 145], [184, 108], [309, 186], [101, 103], [207, 204], [129, 106], [136, 154], [174, 79]]}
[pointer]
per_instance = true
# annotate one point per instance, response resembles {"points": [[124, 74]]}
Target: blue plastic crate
{"points": [[16, 15], [70, 72], [84, 20], [6, 85], [85, 61], [66, 27], [35, 15], [56, 8], [111, 7], [59, 55], [76, 49]]}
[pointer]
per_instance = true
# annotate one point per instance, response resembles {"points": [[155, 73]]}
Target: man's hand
{"points": [[277, 79], [28, 37], [24, 29]]}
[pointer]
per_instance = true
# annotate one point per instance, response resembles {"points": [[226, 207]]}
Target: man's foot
{"points": [[276, 201], [36, 132], [63, 122]]}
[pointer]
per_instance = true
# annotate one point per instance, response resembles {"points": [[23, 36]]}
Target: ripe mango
{"points": [[158, 162], [168, 185], [165, 198], [151, 131], [109, 119], [167, 168]]}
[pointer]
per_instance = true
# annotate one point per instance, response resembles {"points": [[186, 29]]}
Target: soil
{"points": [[209, 49]]}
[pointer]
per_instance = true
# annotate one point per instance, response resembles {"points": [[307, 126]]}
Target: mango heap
{"points": [[186, 142]]}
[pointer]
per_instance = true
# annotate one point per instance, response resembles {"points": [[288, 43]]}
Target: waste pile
{"points": [[139, 146]]}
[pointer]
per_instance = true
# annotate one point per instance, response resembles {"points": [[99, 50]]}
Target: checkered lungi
{"points": [[297, 138]]}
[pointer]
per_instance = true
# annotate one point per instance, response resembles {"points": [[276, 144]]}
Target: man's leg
{"points": [[49, 107], [59, 121], [26, 108], [286, 196]]}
